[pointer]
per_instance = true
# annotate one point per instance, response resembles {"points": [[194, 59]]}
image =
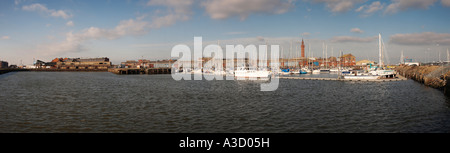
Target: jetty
{"points": [[136, 71], [400, 78]]}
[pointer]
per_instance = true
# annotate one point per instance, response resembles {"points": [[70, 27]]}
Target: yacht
{"points": [[324, 70], [376, 73], [317, 71], [248, 73]]}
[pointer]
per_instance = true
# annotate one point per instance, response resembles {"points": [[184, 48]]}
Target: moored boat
{"points": [[248, 73]]}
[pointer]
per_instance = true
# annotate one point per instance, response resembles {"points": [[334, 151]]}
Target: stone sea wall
{"points": [[432, 76]]}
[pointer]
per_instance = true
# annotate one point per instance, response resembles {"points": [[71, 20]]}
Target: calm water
{"points": [[104, 102]]}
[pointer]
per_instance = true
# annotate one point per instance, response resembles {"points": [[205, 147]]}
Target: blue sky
{"points": [[132, 29]]}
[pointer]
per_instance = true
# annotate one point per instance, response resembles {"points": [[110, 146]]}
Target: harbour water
{"points": [[104, 102]]}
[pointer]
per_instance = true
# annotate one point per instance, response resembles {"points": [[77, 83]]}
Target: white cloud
{"points": [[35, 7], [360, 8], [344, 39], [446, 3], [339, 6], [70, 24], [167, 20], [375, 6], [356, 30], [222, 9], [74, 41], [17, 2], [177, 10], [425, 38], [43, 9], [402, 5], [6, 38], [124, 28]]}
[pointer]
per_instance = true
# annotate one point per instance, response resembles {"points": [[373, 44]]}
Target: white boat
{"points": [[379, 71], [382, 72], [361, 77], [297, 71], [324, 70], [197, 71], [307, 70], [334, 70], [373, 74], [247, 73], [187, 70], [284, 73], [219, 72], [316, 71]]}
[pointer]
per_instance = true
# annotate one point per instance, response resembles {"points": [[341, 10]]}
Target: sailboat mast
{"points": [[448, 56], [282, 58], [296, 53], [340, 59], [290, 54], [439, 55], [402, 58], [332, 53], [326, 57], [323, 51], [379, 45], [309, 53]]}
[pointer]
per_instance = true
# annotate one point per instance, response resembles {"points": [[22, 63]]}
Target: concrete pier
{"points": [[3, 71], [355, 80], [136, 71]]}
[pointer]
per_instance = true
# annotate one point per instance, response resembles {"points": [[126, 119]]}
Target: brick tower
{"points": [[303, 49]]}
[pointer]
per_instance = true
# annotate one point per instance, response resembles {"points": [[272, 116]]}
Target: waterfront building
{"points": [[163, 63], [364, 63], [143, 63], [81, 63], [41, 64], [129, 64], [3, 64], [347, 60]]}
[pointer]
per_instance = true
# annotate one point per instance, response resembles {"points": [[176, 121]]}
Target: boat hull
{"points": [[254, 74], [361, 77]]}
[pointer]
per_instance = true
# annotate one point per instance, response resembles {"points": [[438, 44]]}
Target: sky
{"points": [[134, 29]]}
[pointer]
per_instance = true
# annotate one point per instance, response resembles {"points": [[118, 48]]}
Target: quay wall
{"points": [[433, 76], [70, 70], [3, 71], [134, 71]]}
